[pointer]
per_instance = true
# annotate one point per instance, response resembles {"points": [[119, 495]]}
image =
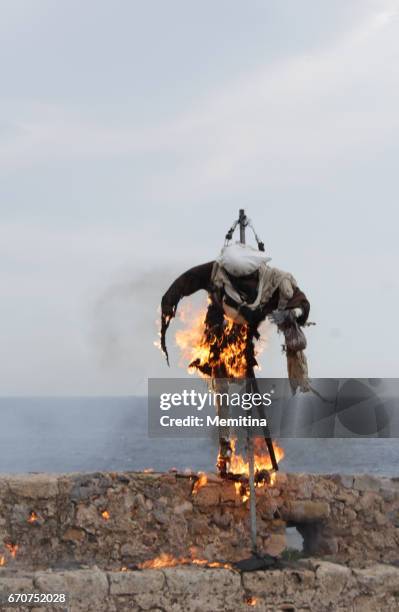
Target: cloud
{"points": [[287, 120], [293, 122]]}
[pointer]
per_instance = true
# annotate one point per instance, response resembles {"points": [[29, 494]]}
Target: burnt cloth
{"points": [[199, 277]]}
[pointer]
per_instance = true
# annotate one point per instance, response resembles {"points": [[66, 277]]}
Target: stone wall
{"points": [[313, 585], [96, 536], [123, 519]]}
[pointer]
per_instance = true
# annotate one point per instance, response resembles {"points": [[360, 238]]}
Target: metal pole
{"points": [[266, 431], [242, 219], [252, 494]]}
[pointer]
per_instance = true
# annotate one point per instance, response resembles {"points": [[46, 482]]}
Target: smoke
{"points": [[124, 320]]}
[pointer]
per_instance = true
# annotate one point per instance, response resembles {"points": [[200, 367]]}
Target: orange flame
{"points": [[238, 465], [208, 353], [12, 549], [198, 348], [251, 601], [157, 343], [164, 560], [262, 463], [241, 491], [201, 482], [2, 561], [32, 518], [273, 478], [167, 560], [106, 515]]}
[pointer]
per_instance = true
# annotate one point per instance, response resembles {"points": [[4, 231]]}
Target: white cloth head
{"points": [[241, 259]]}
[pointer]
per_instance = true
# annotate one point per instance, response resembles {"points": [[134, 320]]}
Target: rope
{"points": [[230, 233], [259, 242], [248, 223]]}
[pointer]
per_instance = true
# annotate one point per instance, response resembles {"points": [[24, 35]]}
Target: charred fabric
{"points": [[243, 291]]}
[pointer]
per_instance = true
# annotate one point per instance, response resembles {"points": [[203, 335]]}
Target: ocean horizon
{"points": [[88, 434]]}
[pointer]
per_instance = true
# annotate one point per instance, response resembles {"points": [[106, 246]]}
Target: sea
{"points": [[90, 434]]}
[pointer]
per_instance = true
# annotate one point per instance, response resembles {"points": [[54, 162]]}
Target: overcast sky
{"points": [[130, 134]]}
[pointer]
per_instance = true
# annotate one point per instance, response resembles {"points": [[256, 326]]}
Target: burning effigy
{"points": [[243, 291]]}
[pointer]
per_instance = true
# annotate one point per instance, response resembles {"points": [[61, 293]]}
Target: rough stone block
{"points": [[79, 584], [299, 580], [87, 517], [331, 580], [305, 511], [210, 589], [365, 482], [34, 486], [183, 507], [74, 534], [208, 495], [15, 584], [131, 583], [264, 584], [378, 578], [302, 484]]}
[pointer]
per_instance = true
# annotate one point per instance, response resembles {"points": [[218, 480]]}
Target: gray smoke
{"points": [[124, 319]]}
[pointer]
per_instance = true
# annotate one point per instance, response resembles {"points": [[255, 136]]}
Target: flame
{"points": [[32, 518], [148, 470], [213, 355], [106, 515], [262, 464], [12, 549], [158, 323], [273, 478], [167, 560], [251, 601], [242, 491], [239, 465], [164, 560], [201, 482], [205, 351]]}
